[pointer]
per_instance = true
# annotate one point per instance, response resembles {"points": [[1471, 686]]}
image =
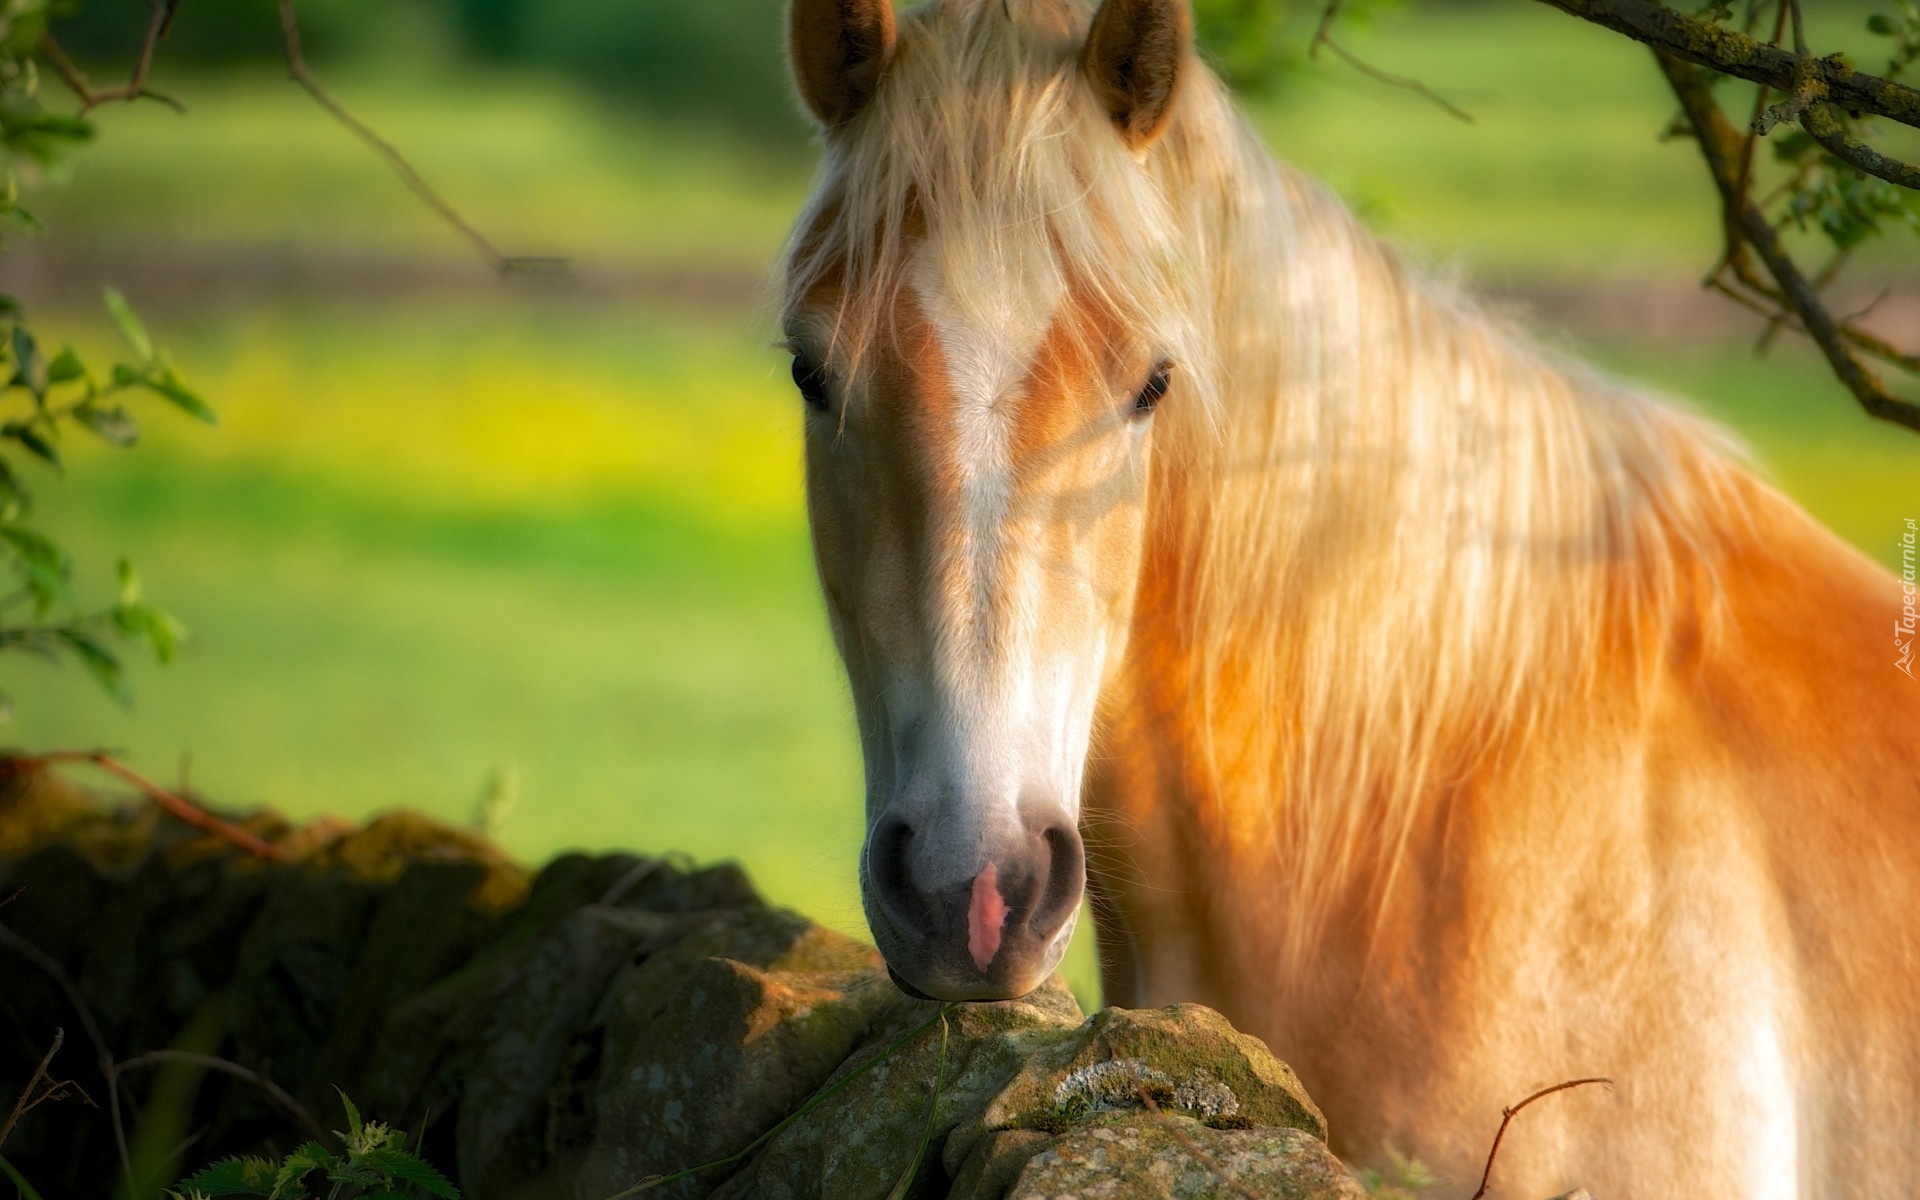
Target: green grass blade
{"points": [[899, 1191], [26, 1189]]}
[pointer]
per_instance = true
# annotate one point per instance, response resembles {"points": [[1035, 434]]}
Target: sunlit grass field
{"points": [[526, 544]]}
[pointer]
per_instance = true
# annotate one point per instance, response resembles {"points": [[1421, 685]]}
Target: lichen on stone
{"points": [[1122, 1083]]}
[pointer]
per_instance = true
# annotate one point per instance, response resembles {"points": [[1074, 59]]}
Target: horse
{"points": [[1451, 715]]}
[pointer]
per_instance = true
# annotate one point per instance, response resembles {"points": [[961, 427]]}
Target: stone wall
{"points": [[567, 1034]]}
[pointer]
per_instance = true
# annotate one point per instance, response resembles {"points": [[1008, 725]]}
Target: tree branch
{"points": [[304, 76], [1323, 36], [159, 17], [1720, 146], [180, 807], [1823, 126], [1731, 52]]}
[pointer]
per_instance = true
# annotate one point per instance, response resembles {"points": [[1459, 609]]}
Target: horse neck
{"points": [[1400, 536]]}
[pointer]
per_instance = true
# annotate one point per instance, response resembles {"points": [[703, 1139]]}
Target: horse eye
{"points": [[1155, 389], [812, 382]]}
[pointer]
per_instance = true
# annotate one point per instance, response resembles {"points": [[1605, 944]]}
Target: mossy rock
{"points": [[1181, 1159], [1184, 1059], [565, 1034]]}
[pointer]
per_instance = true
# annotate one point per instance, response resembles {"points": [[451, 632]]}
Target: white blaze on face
{"points": [[998, 712]]}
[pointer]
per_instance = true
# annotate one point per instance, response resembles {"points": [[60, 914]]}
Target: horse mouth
{"points": [[900, 982]]}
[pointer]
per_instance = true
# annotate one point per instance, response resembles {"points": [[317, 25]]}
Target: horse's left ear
{"points": [[839, 48], [1133, 57]]}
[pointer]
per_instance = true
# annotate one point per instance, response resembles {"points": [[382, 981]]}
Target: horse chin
{"points": [[985, 991], [926, 972]]}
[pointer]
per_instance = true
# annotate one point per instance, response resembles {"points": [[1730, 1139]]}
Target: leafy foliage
{"points": [[32, 137], [1830, 197], [375, 1164], [1821, 192], [47, 399]]}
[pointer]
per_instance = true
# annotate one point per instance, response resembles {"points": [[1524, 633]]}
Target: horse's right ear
{"points": [[839, 48], [1133, 58]]}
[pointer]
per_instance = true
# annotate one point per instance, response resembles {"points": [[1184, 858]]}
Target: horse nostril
{"points": [[891, 879], [1065, 867]]}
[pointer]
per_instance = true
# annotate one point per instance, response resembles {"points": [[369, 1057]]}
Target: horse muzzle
{"points": [[993, 933]]}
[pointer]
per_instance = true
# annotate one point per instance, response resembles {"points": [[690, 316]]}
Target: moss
{"points": [[609, 1018]]}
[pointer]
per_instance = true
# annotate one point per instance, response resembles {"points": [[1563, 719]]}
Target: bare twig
{"points": [[186, 810], [1878, 347], [160, 16], [1399, 81], [1822, 280], [1760, 95], [304, 76], [1746, 223], [1323, 36], [1508, 1114], [226, 1066], [88, 1023], [1324, 30], [54, 1089]]}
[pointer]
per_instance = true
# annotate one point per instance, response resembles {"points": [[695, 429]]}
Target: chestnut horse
{"points": [[1455, 718]]}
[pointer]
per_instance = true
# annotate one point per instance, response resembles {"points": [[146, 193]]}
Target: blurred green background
{"points": [[532, 552]]}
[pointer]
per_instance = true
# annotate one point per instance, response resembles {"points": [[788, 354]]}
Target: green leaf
{"points": [[27, 220], [353, 1115], [25, 24], [296, 1166], [35, 442], [1881, 24], [44, 567], [26, 1189], [168, 384], [233, 1177], [15, 500], [113, 424], [128, 577], [29, 368], [158, 629], [66, 367], [35, 547], [100, 662], [409, 1168], [130, 327]]}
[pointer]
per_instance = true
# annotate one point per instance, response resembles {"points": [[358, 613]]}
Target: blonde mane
{"points": [[1408, 532]]}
